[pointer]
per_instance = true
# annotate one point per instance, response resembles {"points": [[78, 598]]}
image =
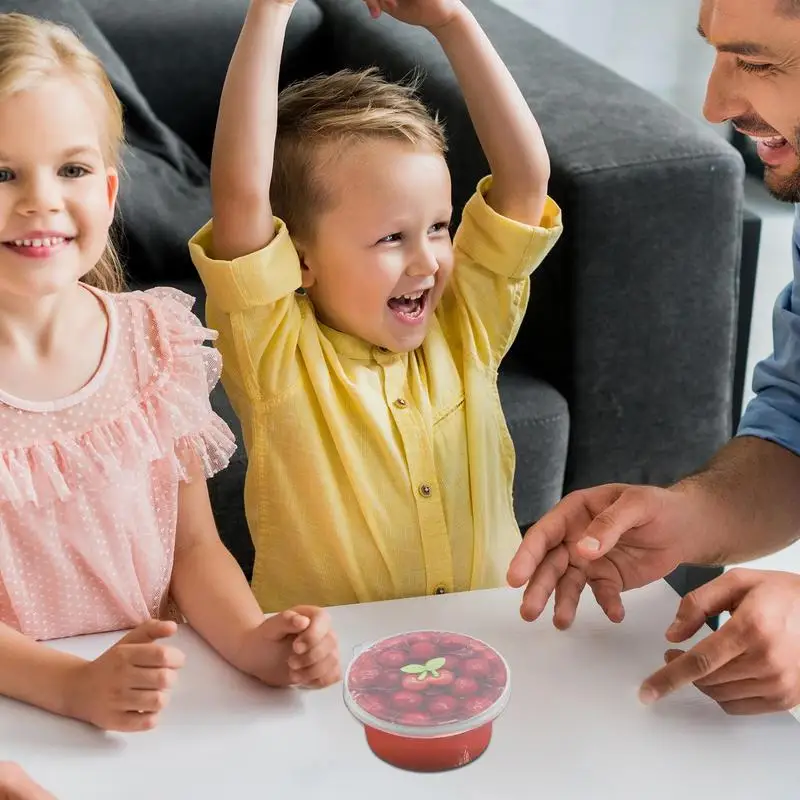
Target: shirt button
{"points": [[400, 402], [440, 589], [425, 489]]}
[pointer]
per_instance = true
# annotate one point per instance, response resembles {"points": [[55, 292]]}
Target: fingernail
{"points": [[589, 543], [647, 696], [299, 647], [674, 628]]}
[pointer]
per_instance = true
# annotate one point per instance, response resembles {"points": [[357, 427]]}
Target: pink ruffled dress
{"points": [[89, 483]]}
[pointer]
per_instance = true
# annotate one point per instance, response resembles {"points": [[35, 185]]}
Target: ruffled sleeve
{"points": [[177, 407], [151, 405]]}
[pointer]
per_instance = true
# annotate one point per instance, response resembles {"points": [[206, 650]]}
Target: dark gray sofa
{"points": [[623, 368]]}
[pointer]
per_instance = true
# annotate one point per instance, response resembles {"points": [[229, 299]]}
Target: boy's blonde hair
{"points": [[339, 109], [32, 50]]}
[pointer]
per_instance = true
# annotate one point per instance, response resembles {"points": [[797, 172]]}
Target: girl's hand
{"points": [[127, 687], [296, 647], [429, 14], [16, 785]]}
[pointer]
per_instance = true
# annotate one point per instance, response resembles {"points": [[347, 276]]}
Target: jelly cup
{"points": [[427, 699]]}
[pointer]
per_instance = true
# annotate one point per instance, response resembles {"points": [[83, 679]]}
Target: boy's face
{"points": [[381, 255]]}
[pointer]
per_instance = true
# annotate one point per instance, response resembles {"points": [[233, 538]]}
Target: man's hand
{"points": [[429, 14], [296, 647], [16, 785], [751, 665], [614, 537], [127, 687]]}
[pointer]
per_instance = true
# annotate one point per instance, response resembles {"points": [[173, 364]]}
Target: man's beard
{"points": [[786, 189]]}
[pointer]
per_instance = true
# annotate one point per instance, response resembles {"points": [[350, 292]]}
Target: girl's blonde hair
{"points": [[32, 50]]}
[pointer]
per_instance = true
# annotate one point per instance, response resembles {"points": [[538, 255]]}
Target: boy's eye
{"points": [[73, 171], [6, 175], [391, 238], [439, 227]]}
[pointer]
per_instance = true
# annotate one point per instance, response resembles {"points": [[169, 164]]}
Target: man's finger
{"points": [[722, 594], [549, 532], [630, 510], [743, 668], [607, 594], [568, 595], [753, 705], [740, 690], [543, 583], [706, 657]]}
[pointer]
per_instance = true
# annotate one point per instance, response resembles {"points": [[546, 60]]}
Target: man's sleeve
{"points": [[774, 413]]}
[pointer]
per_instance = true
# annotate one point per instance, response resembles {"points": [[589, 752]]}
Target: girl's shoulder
{"points": [[152, 404]]}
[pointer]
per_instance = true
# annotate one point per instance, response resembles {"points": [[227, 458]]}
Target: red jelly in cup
{"points": [[427, 699]]}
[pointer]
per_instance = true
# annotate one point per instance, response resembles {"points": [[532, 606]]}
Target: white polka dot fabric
{"points": [[89, 483]]}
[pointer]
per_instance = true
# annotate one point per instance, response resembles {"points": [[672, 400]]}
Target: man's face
{"points": [[755, 82]]}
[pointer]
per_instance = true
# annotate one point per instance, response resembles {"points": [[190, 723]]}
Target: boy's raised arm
{"points": [[244, 142], [508, 131]]}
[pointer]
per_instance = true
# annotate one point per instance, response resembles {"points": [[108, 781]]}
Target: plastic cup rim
{"points": [[433, 731]]}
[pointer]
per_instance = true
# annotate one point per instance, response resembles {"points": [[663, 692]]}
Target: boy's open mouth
{"points": [[409, 307]]}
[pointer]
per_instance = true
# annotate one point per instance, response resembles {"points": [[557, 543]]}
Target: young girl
{"points": [[106, 431]]}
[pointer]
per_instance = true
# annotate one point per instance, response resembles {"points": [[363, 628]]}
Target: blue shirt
{"points": [[774, 413]]}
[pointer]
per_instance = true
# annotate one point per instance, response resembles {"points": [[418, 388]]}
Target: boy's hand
{"points": [[126, 687], [425, 13], [295, 647]]}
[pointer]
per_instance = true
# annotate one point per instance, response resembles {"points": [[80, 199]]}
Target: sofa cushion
{"points": [[164, 186], [538, 421], [194, 40]]}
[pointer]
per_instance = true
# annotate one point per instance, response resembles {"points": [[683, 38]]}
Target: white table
{"points": [[573, 728]]}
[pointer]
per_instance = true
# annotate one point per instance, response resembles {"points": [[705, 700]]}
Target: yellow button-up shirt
{"points": [[375, 475]]}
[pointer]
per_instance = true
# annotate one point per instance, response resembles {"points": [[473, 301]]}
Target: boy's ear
{"points": [[306, 271]]}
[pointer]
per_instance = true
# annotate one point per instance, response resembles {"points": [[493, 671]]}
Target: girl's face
{"points": [[57, 194]]}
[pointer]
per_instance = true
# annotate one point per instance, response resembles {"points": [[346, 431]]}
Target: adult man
{"points": [[746, 502]]}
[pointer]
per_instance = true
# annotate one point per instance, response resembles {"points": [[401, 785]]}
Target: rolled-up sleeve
{"points": [[774, 413]]}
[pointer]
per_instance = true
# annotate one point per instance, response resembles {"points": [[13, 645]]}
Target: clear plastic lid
{"points": [[427, 684]]}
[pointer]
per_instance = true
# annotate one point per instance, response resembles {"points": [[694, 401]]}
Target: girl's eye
{"points": [[6, 175], [439, 227], [747, 66], [73, 171]]}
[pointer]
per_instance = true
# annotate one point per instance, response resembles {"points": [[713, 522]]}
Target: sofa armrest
{"points": [[632, 317], [179, 52]]}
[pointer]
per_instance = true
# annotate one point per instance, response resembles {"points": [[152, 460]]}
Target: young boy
{"points": [[361, 346]]}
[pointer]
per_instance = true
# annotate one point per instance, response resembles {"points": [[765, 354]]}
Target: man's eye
{"points": [[747, 66]]}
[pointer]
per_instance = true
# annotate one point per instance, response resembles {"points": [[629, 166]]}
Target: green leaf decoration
{"points": [[435, 663], [414, 669]]}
